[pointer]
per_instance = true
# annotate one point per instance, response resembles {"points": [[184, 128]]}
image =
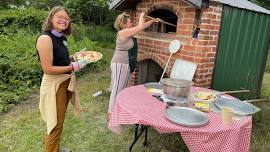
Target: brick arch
{"points": [[166, 6], [151, 56], [155, 58]]}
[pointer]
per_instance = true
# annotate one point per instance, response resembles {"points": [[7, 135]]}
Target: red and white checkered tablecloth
{"points": [[135, 106]]}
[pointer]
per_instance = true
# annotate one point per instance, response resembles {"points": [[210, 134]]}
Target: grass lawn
{"points": [[22, 128]]}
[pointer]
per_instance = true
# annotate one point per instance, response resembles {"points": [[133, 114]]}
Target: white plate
{"points": [[186, 116], [154, 85], [239, 107]]}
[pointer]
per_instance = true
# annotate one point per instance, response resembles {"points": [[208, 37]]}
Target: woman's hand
{"points": [[156, 20], [76, 66], [142, 15], [141, 20]]}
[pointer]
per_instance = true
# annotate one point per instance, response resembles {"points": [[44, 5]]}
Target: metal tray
{"points": [[154, 85], [186, 116], [239, 107]]}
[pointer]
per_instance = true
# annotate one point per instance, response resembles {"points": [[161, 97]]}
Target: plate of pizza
{"points": [[205, 97], [91, 56]]}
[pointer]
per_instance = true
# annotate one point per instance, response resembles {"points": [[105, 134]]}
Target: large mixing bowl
{"points": [[176, 88]]}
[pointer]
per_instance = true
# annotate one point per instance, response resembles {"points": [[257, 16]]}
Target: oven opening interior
{"points": [[149, 71], [166, 16]]}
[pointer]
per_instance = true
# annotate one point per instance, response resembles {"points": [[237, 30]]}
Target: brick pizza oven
{"points": [[195, 23], [153, 43]]}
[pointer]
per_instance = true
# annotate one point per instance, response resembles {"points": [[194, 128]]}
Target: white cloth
{"points": [[48, 90], [120, 77]]}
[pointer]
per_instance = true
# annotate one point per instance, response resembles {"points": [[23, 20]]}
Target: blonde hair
{"points": [[121, 20], [47, 24]]}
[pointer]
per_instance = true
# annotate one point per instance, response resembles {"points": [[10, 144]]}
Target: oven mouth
{"points": [[149, 71], [168, 17]]}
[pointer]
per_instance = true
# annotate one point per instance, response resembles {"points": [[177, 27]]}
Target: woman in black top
{"points": [[54, 58]]}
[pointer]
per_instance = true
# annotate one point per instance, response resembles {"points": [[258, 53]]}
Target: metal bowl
{"points": [[175, 88]]}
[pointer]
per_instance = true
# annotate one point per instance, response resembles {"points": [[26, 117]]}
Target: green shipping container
{"points": [[242, 51]]}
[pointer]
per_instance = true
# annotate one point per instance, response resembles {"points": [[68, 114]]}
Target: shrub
{"points": [[21, 18], [95, 33]]}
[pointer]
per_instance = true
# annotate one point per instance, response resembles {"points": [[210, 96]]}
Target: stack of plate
{"points": [[239, 107], [154, 88], [154, 85]]}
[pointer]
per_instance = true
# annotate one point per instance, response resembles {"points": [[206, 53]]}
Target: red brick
{"points": [[208, 76], [207, 27], [214, 32], [207, 21], [212, 59], [194, 42], [189, 47], [148, 41], [199, 54], [182, 32], [216, 28], [209, 65], [211, 54], [187, 21], [206, 32], [188, 15], [189, 9], [204, 48], [197, 76], [218, 17], [214, 49], [215, 22], [182, 27], [206, 37], [203, 42]]}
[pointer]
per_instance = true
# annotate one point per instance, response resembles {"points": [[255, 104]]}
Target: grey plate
{"points": [[186, 116], [239, 107], [154, 85], [214, 108]]}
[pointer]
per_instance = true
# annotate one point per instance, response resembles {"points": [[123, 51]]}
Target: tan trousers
{"points": [[52, 141]]}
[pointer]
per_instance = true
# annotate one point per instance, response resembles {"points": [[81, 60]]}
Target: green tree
{"points": [[95, 12], [44, 4], [263, 3], [4, 4]]}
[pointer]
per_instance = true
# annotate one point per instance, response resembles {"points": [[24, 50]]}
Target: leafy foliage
{"points": [[19, 70], [44, 4], [91, 12], [85, 11], [11, 20], [98, 34], [263, 3]]}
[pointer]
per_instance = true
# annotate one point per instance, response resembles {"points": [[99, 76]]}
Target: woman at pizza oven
{"points": [[58, 82], [121, 62]]}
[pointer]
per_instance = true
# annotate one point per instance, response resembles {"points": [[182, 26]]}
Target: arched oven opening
{"points": [[167, 16], [149, 71]]}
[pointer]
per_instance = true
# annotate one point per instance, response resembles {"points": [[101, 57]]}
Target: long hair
{"points": [[47, 24], [120, 21]]}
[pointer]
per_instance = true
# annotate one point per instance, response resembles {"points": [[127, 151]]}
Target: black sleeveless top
{"points": [[60, 50]]}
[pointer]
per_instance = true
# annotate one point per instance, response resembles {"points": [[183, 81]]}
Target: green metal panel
{"points": [[242, 50]]}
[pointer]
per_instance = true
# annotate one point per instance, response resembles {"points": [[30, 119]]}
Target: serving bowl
{"points": [[176, 88]]}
